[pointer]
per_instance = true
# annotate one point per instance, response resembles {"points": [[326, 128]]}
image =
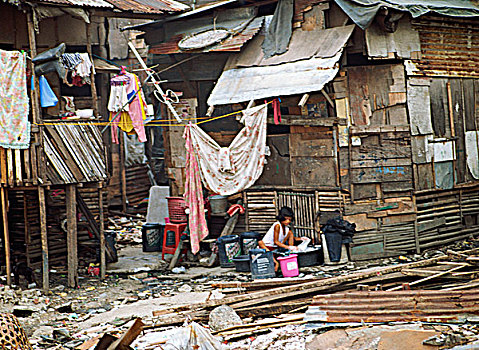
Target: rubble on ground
{"points": [[271, 318]]}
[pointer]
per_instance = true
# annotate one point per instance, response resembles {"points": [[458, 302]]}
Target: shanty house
{"points": [[379, 111], [52, 185]]}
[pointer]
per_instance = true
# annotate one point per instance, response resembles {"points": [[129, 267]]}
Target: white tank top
{"points": [[268, 238]]}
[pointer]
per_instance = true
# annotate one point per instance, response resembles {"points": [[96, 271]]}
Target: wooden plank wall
{"points": [[311, 208], [447, 216], [24, 227]]}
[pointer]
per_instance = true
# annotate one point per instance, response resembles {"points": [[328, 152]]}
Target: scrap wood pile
{"points": [[452, 271]]}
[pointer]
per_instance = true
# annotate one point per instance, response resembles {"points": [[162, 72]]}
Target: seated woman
{"points": [[279, 235]]}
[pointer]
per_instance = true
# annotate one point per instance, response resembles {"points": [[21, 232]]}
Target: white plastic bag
{"points": [[193, 336]]}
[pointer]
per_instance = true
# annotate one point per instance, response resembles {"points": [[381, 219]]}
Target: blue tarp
{"points": [[362, 12]]}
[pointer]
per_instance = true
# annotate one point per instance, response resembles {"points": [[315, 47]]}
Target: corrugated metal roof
{"points": [[252, 83], [75, 153], [149, 6], [306, 67], [83, 3], [233, 43], [138, 6], [382, 306]]}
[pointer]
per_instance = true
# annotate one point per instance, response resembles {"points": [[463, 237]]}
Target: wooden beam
{"points": [[102, 232], [6, 237], [36, 153], [3, 165], [72, 235], [94, 93], [44, 236], [122, 167]]}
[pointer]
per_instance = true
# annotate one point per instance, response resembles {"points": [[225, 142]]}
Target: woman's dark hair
{"points": [[285, 211]]}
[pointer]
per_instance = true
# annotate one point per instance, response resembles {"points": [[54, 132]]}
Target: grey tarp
{"points": [[279, 30], [362, 12]]}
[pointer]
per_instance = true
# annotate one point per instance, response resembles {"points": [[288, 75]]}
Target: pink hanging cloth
{"points": [[194, 196]]}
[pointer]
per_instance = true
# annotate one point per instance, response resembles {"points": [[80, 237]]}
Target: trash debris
{"points": [[193, 336], [223, 317]]}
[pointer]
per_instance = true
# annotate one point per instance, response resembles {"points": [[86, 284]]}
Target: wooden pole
{"points": [[72, 236], [122, 167], [102, 232], [94, 93], [44, 235], [6, 236], [35, 105]]}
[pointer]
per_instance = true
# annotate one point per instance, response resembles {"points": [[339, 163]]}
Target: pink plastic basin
{"points": [[289, 265]]}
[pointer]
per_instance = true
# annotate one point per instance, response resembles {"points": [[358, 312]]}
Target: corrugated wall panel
{"points": [[449, 47]]}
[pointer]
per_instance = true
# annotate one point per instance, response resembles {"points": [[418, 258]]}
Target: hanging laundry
{"points": [[47, 96], [119, 102], [194, 195], [71, 60], [136, 115], [81, 67], [14, 125], [84, 69], [231, 170]]}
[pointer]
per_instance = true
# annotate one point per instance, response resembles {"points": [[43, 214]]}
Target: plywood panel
{"points": [[308, 171], [381, 174], [277, 170], [458, 114], [424, 177], [310, 145]]}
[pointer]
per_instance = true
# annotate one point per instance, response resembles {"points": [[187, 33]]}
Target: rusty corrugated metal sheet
{"points": [[449, 47], [382, 306], [149, 6], [137, 6], [83, 3], [233, 43], [74, 153]]}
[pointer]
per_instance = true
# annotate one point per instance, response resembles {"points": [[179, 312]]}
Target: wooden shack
{"points": [[379, 119], [52, 194]]}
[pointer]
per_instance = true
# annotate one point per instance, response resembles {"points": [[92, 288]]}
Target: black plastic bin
{"points": [[228, 248], [262, 264], [334, 242], [152, 237], [242, 263], [310, 258], [249, 240]]}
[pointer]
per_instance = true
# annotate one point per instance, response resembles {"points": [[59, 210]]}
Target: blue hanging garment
{"points": [[47, 96]]}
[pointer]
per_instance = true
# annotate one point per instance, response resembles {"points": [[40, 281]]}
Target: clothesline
{"points": [[153, 122]]}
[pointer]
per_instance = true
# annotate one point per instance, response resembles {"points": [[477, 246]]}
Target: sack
{"points": [[49, 55], [51, 66]]}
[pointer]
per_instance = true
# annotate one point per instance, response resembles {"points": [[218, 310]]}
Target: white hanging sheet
{"points": [[232, 169]]}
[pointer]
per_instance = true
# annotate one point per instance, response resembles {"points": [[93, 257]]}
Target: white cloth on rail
{"points": [[246, 154]]}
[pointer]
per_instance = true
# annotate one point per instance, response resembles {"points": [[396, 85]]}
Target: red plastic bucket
{"points": [[176, 210]]}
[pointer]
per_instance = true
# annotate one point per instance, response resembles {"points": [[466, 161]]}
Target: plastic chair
{"points": [[177, 229]]}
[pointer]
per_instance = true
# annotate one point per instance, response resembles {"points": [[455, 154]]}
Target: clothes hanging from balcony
{"points": [[126, 92], [14, 107]]}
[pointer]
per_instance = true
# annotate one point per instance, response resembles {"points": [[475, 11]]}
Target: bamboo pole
{"points": [[44, 235], [72, 236], [6, 236]]}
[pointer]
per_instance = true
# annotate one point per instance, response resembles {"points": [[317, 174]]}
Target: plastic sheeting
{"points": [[362, 12]]}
